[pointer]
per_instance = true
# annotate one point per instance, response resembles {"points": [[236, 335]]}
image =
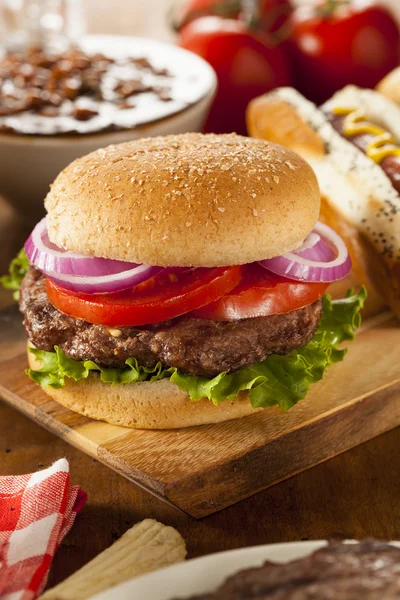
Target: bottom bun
{"points": [[143, 405]]}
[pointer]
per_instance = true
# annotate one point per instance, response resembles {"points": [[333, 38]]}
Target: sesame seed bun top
{"points": [[185, 200]]}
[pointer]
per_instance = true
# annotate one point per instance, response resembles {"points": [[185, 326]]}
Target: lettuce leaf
{"points": [[278, 380], [17, 271], [284, 380], [57, 366]]}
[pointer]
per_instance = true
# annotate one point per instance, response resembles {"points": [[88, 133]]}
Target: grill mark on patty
{"points": [[194, 346]]}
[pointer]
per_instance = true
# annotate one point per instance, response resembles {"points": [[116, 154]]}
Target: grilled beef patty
{"points": [[194, 346], [364, 571]]}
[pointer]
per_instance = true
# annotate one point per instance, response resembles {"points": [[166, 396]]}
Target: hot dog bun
{"points": [[389, 86], [359, 200]]}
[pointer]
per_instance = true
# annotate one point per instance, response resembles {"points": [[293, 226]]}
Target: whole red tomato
{"points": [[335, 43], [247, 64]]}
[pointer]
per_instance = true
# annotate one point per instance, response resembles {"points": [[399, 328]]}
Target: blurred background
{"points": [[148, 17], [317, 46]]}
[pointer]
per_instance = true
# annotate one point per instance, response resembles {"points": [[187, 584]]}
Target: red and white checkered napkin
{"points": [[36, 512]]}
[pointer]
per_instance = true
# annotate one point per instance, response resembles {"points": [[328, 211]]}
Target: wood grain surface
{"points": [[353, 495]]}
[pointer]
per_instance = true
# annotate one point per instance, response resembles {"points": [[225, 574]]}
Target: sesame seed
{"points": [[221, 210], [276, 178], [255, 212], [116, 333]]}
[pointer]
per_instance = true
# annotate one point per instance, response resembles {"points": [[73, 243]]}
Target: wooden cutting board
{"points": [[204, 469]]}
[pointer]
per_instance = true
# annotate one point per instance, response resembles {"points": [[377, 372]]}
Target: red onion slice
{"points": [[322, 257], [106, 283], [80, 273], [50, 259]]}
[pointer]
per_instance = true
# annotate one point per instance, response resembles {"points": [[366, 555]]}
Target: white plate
{"points": [[203, 575]]}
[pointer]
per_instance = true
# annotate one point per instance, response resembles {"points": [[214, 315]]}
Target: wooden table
{"points": [[351, 496]]}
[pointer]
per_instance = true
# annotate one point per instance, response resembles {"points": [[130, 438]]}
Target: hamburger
{"points": [[181, 280]]}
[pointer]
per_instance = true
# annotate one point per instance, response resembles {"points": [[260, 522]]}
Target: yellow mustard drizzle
{"points": [[356, 123]]}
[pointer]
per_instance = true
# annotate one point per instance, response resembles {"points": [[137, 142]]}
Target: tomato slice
{"points": [[259, 294], [162, 297]]}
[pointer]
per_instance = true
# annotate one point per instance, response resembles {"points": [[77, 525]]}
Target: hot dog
{"points": [[374, 141], [353, 144]]}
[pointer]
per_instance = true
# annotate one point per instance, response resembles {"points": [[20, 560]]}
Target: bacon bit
{"points": [[84, 114]]}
